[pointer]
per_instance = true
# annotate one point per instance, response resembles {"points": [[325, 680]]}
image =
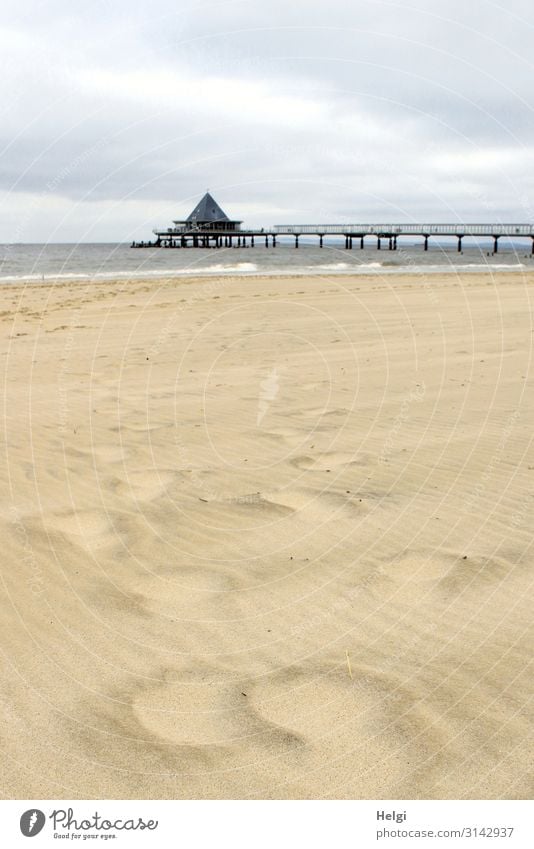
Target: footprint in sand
{"points": [[315, 508], [90, 528], [292, 436], [317, 412], [347, 722], [109, 454], [205, 709], [288, 431], [184, 593], [88, 523], [331, 460], [145, 485], [447, 571]]}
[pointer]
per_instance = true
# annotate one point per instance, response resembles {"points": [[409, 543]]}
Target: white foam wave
{"points": [[253, 269], [470, 268]]}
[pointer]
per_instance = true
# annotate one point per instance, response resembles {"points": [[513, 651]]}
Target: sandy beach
{"points": [[267, 538]]}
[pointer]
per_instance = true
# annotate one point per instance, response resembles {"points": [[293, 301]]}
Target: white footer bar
{"points": [[267, 824]]}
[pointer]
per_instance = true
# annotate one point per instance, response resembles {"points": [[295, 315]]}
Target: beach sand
{"points": [[267, 538]]}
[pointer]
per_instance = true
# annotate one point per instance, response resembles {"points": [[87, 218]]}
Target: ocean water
{"points": [[56, 262]]}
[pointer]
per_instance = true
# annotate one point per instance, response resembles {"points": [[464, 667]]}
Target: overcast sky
{"points": [[117, 116]]}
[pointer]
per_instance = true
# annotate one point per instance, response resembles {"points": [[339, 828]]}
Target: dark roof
{"points": [[208, 210]]}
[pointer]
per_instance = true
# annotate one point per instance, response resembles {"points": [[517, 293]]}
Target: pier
{"points": [[209, 227]]}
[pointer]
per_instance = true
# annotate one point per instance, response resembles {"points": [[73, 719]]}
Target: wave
{"points": [[198, 271], [341, 266], [450, 268], [253, 269]]}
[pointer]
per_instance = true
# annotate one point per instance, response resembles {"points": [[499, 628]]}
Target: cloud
{"points": [[117, 117], [227, 99]]}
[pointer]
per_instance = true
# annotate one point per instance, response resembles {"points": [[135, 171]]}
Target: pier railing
{"points": [[173, 231], [406, 229]]}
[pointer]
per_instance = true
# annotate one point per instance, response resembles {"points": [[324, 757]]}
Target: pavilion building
{"points": [[208, 215]]}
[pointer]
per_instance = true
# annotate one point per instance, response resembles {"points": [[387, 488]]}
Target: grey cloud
{"points": [[351, 110]]}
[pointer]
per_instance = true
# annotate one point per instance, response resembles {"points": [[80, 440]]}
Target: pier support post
{"points": [[252, 242], [274, 241], [346, 243], [266, 241], [394, 243], [361, 243], [532, 245], [296, 241], [321, 243], [390, 243], [426, 243], [378, 244], [496, 244], [460, 244], [350, 243]]}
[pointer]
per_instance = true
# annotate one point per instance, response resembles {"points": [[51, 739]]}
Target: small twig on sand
{"points": [[348, 663]]}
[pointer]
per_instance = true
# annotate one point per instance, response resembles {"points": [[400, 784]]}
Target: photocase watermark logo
{"points": [[269, 389], [32, 822], [65, 824]]}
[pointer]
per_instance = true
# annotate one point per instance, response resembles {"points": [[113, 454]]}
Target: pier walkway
{"points": [[386, 235]]}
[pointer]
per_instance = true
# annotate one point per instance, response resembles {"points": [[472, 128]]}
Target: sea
{"points": [[53, 263]]}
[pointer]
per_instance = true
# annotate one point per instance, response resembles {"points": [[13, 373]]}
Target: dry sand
{"points": [[267, 538]]}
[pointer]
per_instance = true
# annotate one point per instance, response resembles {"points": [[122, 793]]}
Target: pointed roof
{"points": [[208, 210]]}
